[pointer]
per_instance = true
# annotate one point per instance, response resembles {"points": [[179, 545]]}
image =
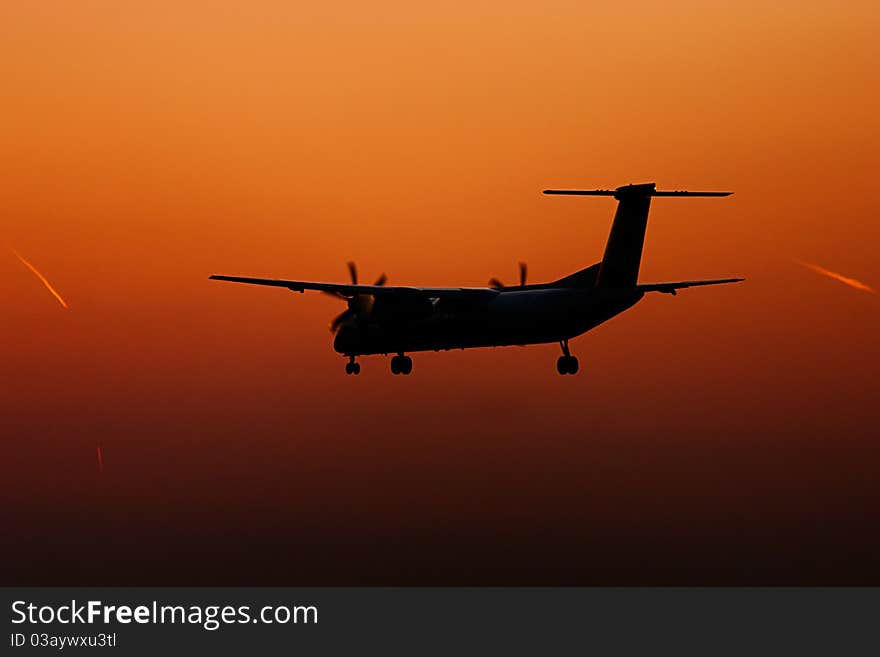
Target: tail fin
{"points": [[623, 251], [583, 278]]}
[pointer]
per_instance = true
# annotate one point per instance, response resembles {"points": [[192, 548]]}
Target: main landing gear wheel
{"points": [[401, 364], [352, 367], [567, 364]]}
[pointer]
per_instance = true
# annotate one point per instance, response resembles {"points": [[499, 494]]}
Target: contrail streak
{"points": [[846, 280], [41, 277]]}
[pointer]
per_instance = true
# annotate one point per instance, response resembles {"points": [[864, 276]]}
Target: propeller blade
{"points": [[353, 272], [335, 295], [523, 270], [494, 282], [381, 281], [339, 319]]}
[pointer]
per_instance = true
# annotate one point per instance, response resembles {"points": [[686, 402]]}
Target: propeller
{"points": [[358, 304], [339, 319], [523, 271]]}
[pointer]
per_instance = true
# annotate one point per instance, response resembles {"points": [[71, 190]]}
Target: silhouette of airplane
{"points": [[383, 319]]}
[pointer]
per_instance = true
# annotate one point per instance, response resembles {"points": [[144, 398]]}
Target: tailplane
{"points": [[623, 252]]}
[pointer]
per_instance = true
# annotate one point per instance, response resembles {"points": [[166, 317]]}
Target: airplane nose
{"points": [[346, 340]]}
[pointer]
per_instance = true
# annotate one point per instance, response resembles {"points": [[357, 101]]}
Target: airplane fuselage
{"points": [[512, 317]]}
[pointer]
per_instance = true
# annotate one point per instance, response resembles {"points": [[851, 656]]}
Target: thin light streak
{"points": [[846, 280], [41, 277]]}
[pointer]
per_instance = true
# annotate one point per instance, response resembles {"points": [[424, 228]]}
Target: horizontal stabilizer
{"points": [[671, 288], [640, 190]]}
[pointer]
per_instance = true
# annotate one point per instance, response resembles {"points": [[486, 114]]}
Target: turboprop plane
{"points": [[394, 319]]}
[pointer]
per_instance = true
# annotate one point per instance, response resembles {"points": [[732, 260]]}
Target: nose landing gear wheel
{"points": [[352, 367], [566, 364]]}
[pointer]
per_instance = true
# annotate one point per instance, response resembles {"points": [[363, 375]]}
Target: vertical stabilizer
{"points": [[623, 251]]}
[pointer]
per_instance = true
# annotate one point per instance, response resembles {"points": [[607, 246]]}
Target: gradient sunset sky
{"points": [[724, 435]]}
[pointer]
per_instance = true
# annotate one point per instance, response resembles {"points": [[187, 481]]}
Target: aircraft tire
{"points": [[567, 365], [562, 365]]}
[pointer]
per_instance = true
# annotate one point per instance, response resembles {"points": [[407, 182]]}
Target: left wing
{"points": [[347, 289], [671, 288]]}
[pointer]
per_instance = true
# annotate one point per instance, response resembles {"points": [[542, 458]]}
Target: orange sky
{"points": [[148, 145]]}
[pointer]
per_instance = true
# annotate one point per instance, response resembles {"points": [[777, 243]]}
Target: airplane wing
{"points": [[348, 289], [671, 288]]}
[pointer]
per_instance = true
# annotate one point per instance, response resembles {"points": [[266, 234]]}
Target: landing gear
{"points": [[566, 364], [401, 364], [351, 367]]}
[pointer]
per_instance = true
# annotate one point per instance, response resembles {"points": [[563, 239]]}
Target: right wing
{"points": [[670, 288]]}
